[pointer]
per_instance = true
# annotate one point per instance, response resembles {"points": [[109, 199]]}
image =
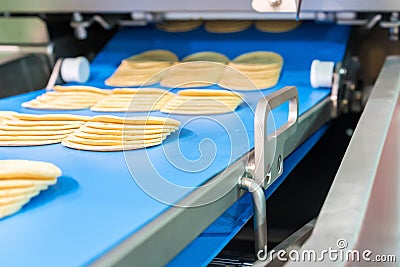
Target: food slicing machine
{"points": [[181, 203]]}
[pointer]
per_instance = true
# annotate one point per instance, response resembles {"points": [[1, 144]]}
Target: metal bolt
{"points": [[268, 176], [275, 3], [279, 164], [342, 71]]}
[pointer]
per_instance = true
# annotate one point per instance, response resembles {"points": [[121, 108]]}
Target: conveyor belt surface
{"points": [[96, 203]]}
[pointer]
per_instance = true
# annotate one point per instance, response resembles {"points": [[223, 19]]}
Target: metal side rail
{"points": [[171, 227], [360, 218]]}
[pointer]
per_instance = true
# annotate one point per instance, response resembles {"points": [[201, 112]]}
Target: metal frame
{"points": [[362, 205], [123, 6], [269, 148], [168, 228]]}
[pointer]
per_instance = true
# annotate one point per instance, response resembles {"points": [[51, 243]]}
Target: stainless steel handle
{"points": [[269, 148]]}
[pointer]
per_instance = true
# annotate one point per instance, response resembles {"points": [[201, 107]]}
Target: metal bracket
{"points": [[260, 214], [269, 148], [291, 6], [80, 25], [393, 25]]}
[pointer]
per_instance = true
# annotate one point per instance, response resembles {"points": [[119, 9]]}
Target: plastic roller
{"points": [[71, 70], [321, 74], [75, 69]]}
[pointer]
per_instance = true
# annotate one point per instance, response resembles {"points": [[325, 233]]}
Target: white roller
{"points": [[75, 69], [321, 74]]}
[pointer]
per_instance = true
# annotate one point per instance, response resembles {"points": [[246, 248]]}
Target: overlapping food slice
{"points": [[33, 130], [196, 70], [142, 68], [21, 180], [227, 26], [251, 71], [6, 115], [203, 102], [133, 100], [277, 26], [67, 98], [179, 25], [112, 133]]}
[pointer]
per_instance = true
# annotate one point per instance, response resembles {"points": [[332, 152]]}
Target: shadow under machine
{"points": [[314, 194]]}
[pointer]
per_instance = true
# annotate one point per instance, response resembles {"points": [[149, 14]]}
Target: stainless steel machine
{"points": [[361, 208]]}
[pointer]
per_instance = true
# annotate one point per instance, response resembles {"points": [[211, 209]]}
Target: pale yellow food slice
{"points": [[130, 105], [7, 115], [41, 106], [39, 128], [30, 143], [68, 95], [227, 26], [208, 111], [179, 25], [122, 138], [137, 72], [77, 146], [207, 56], [148, 64], [119, 126], [7, 210], [20, 191], [193, 84], [6, 200], [216, 98], [277, 26], [29, 132], [28, 169], [126, 75], [136, 120], [135, 100], [125, 109], [46, 117], [237, 83], [77, 98], [155, 91], [253, 67], [41, 123], [187, 74], [204, 92], [111, 142], [155, 55], [21, 183], [232, 72], [240, 85], [259, 57], [125, 132], [90, 89], [4, 138], [201, 105], [114, 82]]}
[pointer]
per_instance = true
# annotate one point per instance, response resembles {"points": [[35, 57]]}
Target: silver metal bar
{"points": [[260, 213], [366, 190], [293, 242], [269, 148], [127, 6]]}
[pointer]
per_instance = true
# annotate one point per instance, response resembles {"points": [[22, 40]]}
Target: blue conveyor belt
{"points": [[96, 204]]}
